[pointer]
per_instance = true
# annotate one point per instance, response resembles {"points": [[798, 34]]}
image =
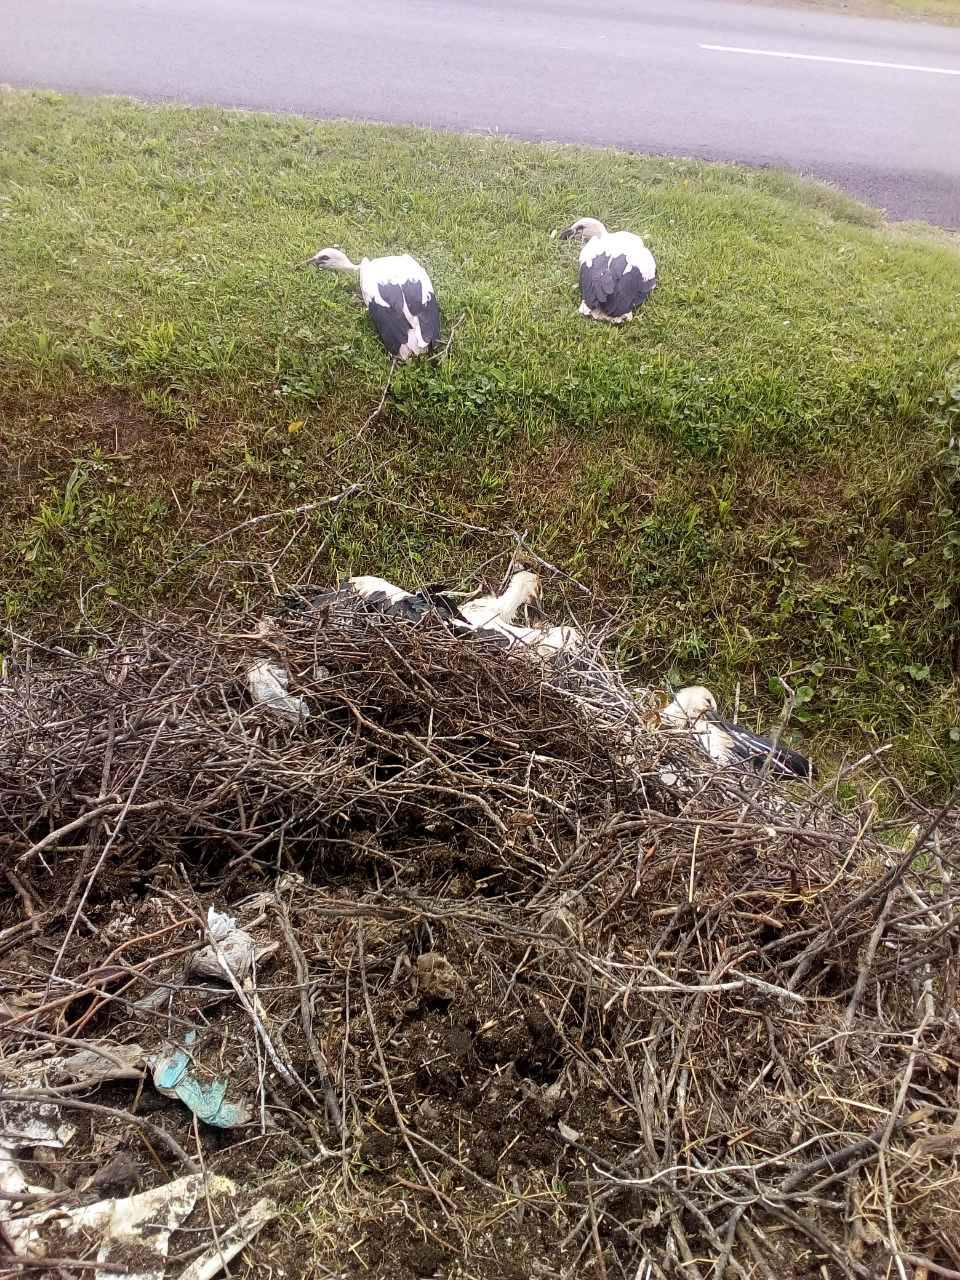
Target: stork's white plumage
{"points": [[617, 271], [399, 297], [546, 643], [694, 709], [522, 589]]}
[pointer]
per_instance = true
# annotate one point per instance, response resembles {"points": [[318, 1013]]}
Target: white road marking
{"points": [[816, 57]]}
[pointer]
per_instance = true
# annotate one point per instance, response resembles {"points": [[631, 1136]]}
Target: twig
{"points": [[379, 409], [447, 1205], [206, 1195], [235, 1239], [118, 826], [869, 955], [306, 1015], [72, 1104], [442, 354], [82, 1264], [917, 1260], [287, 513]]}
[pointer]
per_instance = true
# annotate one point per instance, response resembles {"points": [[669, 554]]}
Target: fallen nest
{"points": [[509, 984]]}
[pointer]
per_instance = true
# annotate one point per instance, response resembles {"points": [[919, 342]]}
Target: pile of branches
{"points": [[735, 1001]]}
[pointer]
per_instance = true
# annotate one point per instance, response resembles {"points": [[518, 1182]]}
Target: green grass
{"points": [[941, 11], [754, 467], [946, 12]]}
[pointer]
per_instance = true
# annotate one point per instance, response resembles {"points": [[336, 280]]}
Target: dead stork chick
{"points": [[522, 589], [383, 596], [399, 297], [617, 271], [695, 709]]}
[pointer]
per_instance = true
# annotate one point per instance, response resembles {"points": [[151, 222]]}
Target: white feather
{"points": [[613, 243], [366, 585]]}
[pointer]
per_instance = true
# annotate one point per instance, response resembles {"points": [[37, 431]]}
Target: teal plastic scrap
{"points": [[173, 1077]]}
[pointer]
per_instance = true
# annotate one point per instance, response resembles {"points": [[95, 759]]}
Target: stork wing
{"points": [[613, 285], [303, 599], [749, 748], [401, 305]]}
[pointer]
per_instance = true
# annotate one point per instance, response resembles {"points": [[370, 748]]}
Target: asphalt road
{"points": [[630, 73]]}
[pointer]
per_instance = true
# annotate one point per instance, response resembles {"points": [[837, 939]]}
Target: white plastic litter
{"points": [[231, 1242], [268, 683], [27, 1124], [33, 1124], [236, 946], [146, 1220]]}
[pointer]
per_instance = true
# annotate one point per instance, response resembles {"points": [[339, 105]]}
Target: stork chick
{"points": [[695, 709], [617, 271], [547, 643], [399, 297], [522, 589]]}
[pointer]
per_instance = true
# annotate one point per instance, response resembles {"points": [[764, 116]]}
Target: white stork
{"points": [[382, 595], [522, 589], [695, 709], [617, 271], [399, 297], [387, 597]]}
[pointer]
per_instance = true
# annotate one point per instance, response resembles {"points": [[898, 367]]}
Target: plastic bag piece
{"points": [[236, 946], [174, 1078], [231, 1242], [23, 1125], [268, 684], [142, 1223], [34, 1124]]}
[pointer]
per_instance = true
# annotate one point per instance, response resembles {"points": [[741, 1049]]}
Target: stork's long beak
{"points": [[566, 234], [308, 263]]}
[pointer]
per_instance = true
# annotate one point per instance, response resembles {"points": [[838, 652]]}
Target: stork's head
{"points": [[331, 259], [583, 229], [690, 705]]}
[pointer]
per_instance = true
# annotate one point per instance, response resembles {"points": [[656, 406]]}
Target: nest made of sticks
{"points": [[732, 1003]]}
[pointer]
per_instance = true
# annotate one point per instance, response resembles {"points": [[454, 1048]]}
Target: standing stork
{"points": [[399, 297], [617, 271], [695, 709]]}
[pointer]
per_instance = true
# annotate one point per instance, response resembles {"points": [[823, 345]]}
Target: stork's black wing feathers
{"points": [[444, 605], [609, 285], [427, 310], [749, 748], [391, 321], [300, 601], [414, 605]]}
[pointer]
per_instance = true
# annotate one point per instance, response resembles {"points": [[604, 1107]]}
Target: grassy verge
{"points": [[753, 468], [946, 12]]}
